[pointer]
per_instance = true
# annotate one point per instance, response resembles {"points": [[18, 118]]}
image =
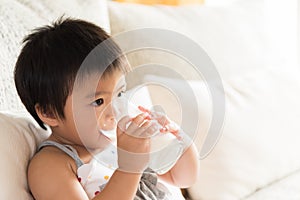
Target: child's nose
{"points": [[109, 111], [109, 120]]}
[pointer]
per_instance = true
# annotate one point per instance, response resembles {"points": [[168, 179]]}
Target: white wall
{"points": [[282, 23], [218, 2], [282, 26], [298, 22]]}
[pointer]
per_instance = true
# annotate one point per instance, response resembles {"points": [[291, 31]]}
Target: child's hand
{"points": [[134, 142], [168, 126]]}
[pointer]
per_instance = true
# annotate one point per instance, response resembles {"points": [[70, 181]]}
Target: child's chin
{"points": [[99, 144], [109, 128], [108, 125]]}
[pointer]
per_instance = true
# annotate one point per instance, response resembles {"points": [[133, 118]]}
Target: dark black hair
{"points": [[51, 57]]}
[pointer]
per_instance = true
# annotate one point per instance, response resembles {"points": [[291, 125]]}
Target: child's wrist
{"points": [[131, 162], [185, 140], [127, 172]]}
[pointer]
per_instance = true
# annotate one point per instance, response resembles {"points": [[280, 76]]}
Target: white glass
{"points": [[165, 147]]}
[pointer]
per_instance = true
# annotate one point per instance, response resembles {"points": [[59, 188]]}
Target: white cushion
{"points": [[260, 137], [234, 36], [260, 140], [19, 17], [285, 188], [20, 136]]}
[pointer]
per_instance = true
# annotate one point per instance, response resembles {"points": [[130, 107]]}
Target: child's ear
{"points": [[47, 117]]}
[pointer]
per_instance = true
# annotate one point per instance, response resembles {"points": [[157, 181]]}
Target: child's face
{"points": [[89, 110]]}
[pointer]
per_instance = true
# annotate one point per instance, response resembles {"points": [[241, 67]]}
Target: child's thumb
{"points": [[121, 126]]}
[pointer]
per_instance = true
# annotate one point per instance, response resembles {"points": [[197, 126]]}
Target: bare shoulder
{"points": [[51, 159], [52, 175]]}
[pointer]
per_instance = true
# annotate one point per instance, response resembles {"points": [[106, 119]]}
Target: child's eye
{"points": [[98, 102], [120, 94]]}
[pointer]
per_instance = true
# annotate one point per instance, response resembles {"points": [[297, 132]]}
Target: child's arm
{"points": [[51, 176], [52, 173], [186, 170]]}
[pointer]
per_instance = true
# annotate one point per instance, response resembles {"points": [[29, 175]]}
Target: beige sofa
{"points": [[257, 156]]}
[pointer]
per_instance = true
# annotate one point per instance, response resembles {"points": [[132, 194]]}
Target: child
{"points": [[61, 95]]}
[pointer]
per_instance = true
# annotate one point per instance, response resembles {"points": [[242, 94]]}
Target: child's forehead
{"points": [[95, 82]]}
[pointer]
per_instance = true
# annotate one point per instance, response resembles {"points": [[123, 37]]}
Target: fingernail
{"points": [[163, 130], [141, 108], [175, 132], [145, 115], [148, 117]]}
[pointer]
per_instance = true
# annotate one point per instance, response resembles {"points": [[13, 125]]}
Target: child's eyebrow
{"points": [[98, 93], [92, 95]]}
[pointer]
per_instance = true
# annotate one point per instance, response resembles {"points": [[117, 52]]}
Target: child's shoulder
{"points": [[49, 171], [52, 156], [49, 162]]}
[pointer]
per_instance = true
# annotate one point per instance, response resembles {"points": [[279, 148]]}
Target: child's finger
{"points": [[163, 120], [136, 123], [163, 130], [141, 108], [139, 131], [122, 124], [148, 129], [160, 117], [139, 119], [151, 130]]}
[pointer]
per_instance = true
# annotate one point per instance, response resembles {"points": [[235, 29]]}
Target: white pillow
{"points": [[234, 36], [19, 17], [20, 136], [260, 140]]}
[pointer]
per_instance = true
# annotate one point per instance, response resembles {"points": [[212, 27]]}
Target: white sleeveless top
{"points": [[93, 176]]}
